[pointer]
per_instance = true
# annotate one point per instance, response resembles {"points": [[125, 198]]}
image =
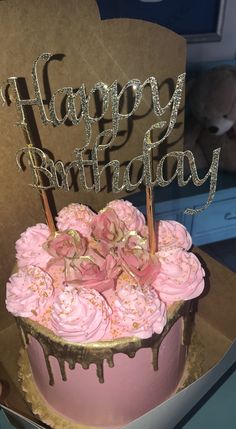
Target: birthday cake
{"points": [[104, 321]]}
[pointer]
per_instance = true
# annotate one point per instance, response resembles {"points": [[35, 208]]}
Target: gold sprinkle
{"points": [[136, 325]]}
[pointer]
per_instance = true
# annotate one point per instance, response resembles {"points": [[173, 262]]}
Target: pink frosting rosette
{"points": [[136, 311], [80, 315], [171, 234], [67, 244], [76, 216], [29, 247], [93, 271], [181, 276], [135, 257], [130, 215], [29, 292], [108, 230]]}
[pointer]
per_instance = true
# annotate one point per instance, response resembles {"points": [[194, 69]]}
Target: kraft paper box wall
{"points": [[88, 50]]}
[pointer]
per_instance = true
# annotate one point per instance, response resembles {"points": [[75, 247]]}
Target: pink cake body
{"points": [[131, 387]]}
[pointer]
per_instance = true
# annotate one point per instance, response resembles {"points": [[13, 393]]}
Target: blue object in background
{"points": [[11, 420], [217, 409], [4, 422], [182, 16]]}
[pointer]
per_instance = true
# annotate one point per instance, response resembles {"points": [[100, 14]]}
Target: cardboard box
{"points": [[89, 50], [216, 352]]}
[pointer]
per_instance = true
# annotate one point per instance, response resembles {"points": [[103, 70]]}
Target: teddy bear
{"points": [[211, 118]]}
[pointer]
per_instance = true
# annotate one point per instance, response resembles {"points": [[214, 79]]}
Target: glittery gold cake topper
{"points": [[57, 173]]}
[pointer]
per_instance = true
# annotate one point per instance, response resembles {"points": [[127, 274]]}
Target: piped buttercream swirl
{"points": [[29, 292], [130, 215], [171, 234], [29, 247], [80, 315], [137, 311], [76, 216], [181, 276]]}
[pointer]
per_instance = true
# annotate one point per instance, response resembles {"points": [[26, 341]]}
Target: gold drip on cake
{"points": [[38, 404], [194, 369], [50, 373], [97, 352], [189, 322]]}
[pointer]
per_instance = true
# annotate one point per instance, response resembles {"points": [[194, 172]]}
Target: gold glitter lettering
{"points": [[56, 174]]}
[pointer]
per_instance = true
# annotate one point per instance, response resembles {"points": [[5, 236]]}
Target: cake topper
{"points": [[57, 174]]}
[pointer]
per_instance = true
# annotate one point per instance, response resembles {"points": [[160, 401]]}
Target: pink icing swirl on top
{"points": [[130, 215], [29, 247], [137, 311], [181, 276], [80, 315], [98, 258], [172, 234], [76, 216], [29, 292]]}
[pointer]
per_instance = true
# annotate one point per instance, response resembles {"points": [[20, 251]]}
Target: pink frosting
{"points": [[29, 292], [137, 311], [130, 215], [58, 273], [98, 262], [172, 234], [80, 315], [29, 247], [76, 216], [181, 276]]}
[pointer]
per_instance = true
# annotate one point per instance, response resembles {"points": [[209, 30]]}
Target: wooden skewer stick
{"points": [[150, 220], [150, 217]]}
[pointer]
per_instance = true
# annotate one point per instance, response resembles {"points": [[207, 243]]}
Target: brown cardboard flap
{"points": [[214, 343], [10, 344], [88, 50], [217, 305]]}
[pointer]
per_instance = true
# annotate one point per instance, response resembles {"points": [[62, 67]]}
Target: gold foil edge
{"points": [[96, 352]]}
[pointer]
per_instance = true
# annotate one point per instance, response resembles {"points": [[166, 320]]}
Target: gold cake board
{"points": [[39, 406]]}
